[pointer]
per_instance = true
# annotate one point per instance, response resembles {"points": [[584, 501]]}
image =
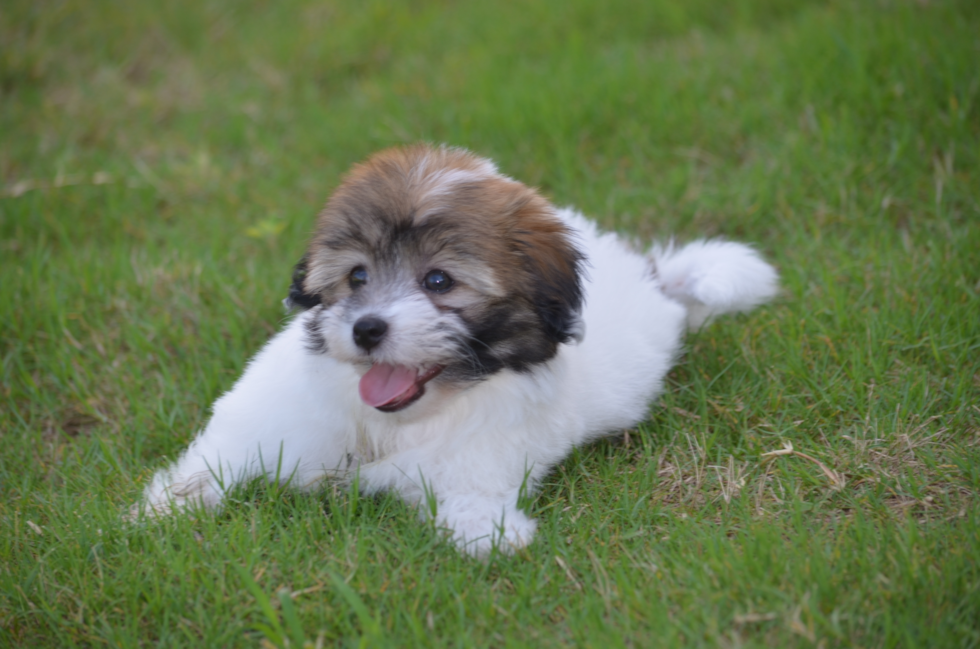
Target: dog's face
{"points": [[428, 265]]}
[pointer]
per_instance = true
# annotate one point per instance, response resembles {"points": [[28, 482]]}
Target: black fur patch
{"points": [[558, 300], [316, 342], [298, 297], [508, 335]]}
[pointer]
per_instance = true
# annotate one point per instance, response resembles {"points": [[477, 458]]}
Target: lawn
{"points": [[811, 476]]}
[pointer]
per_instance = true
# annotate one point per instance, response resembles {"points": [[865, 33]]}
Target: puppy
{"points": [[457, 336]]}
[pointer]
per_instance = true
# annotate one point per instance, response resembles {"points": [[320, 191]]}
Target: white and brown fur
{"points": [[551, 335]]}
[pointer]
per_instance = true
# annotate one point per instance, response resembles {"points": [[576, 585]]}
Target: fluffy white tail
{"points": [[713, 277]]}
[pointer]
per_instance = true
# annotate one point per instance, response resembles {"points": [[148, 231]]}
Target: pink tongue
{"points": [[384, 383]]}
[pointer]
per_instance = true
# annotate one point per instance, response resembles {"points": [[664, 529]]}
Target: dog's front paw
{"points": [[478, 526], [168, 494]]}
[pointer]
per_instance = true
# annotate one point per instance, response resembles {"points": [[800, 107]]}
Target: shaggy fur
{"points": [[459, 335]]}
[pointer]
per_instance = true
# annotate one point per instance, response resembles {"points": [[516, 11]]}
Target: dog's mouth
{"points": [[391, 388]]}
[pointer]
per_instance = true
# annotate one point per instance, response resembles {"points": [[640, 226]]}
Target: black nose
{"points": [[368, 332]]}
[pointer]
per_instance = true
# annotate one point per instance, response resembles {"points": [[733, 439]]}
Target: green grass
{"points": [[161, 165]]}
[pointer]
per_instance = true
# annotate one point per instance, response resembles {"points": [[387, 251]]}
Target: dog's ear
{"points": [[298, 298], [555, 266]]}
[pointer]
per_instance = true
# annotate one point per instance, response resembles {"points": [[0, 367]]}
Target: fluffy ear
{"points": [[555, 266], [298, 298]]}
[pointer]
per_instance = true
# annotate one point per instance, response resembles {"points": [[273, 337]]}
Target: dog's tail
{"points": [[713, 277]]}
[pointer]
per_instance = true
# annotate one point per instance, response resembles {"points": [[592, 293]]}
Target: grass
{"points": [[160, 169]]}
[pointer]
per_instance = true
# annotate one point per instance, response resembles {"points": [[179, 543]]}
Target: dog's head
{"points": [[428, 264]]}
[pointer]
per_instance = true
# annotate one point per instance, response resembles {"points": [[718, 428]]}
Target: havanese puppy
{"points": [[457, 336]]}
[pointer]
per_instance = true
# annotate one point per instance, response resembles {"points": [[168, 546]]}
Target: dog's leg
{"points": [[478, 522], [283, 421], [471, 489]]}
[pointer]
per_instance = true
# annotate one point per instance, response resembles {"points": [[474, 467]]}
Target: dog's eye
{"points": [[437, 281], [358, 277]]}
